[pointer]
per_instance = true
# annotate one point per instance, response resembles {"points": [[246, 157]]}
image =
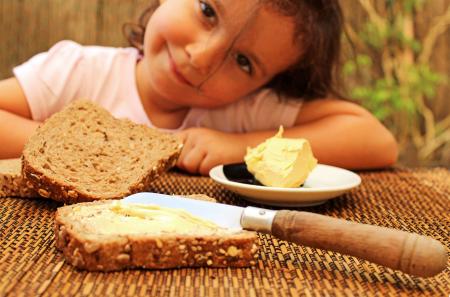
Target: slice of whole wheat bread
{"points": [[83, 153], [88, 247], [11, 182]]}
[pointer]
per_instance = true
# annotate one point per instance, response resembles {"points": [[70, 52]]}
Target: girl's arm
{"points": [[16, 125], [341, 134], [344, 134]]}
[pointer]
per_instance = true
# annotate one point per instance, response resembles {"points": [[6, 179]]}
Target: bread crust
{"points": [[51, 188], [116, 252], [11, 182]]}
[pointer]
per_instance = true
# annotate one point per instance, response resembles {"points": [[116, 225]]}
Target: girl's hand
{"points": [[205, 148]]}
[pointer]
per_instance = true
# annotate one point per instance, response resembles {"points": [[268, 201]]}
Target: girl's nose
{"points": [[205, 54]]}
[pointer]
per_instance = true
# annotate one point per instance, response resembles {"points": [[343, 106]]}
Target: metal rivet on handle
{"points": [[257, 219]]}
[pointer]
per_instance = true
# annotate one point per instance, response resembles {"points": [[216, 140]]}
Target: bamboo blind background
{"points": [[32, 26]]}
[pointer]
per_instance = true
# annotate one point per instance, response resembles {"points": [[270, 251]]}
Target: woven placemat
{"points": [[410, 200]]}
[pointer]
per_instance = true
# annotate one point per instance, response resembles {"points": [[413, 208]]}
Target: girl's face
{"points": [[207, 53]]}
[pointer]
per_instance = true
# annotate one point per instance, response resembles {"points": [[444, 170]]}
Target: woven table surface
{"points": [[414, 200]]}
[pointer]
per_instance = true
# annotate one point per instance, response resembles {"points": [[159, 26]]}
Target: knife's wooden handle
{"points": [[408, 252]]}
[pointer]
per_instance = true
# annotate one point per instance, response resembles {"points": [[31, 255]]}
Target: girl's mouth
{"points": [[176, 72]]}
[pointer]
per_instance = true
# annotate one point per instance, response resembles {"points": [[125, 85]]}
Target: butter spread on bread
{"points": [[281, 162], [133, 218], [145, 217]]}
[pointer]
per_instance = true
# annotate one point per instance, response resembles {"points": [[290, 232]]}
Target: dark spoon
{"points": [[238, 172]]}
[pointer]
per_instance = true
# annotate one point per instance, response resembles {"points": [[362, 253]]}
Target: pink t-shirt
{"points": [[106, 75]]}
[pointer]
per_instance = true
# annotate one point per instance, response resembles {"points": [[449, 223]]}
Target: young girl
{"points": [[222, 74]]}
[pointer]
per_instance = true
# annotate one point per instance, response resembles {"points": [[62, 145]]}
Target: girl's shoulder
{"points": [[69, 70], [71, 58], [69, 47]]}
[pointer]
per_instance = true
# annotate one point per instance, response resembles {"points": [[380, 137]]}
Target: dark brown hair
{"points": [[318, 34], [134, 32], [318, 26]]}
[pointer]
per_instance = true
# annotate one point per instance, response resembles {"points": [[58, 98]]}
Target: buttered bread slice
{"points": [[83, 153], [114, 235]]}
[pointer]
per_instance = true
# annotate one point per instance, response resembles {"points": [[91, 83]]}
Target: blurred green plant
{"points": [[390, 73]]}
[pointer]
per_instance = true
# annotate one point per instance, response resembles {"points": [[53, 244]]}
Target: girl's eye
{"points": [[244, 63], [207, 10]]}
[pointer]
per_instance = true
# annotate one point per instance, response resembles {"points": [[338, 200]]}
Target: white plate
{"points": [[323, 183]]}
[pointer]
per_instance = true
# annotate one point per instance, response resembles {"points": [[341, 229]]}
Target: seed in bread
{"points": [[83, 153], [93, 236]]}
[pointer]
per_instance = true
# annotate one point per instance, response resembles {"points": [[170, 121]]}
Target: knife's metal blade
{"points": [[224, 215]]}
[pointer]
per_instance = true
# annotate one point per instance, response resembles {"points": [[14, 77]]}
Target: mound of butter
{"points": [[143, 218], [281, 162]]}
